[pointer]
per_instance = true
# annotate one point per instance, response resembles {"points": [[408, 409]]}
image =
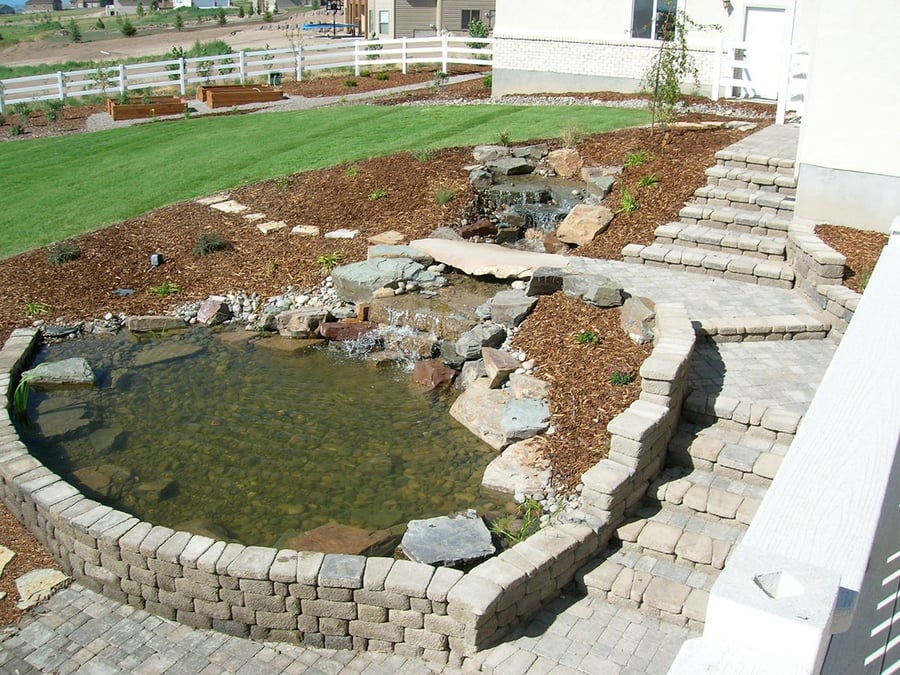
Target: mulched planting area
{"points": [[860, 247]]}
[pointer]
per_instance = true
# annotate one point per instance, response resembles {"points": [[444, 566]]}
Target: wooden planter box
{"points": [[156, 106], [222, 96]]}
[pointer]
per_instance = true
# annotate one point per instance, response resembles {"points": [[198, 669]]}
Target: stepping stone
{"points": [[6, 556], [271, 226], [306, 230], [255, 216], [38, 585], [230, 206], [390, 238], [342, 234], [214, 199]]}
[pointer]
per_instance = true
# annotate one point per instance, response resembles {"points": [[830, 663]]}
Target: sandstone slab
{"points": [[480, 410], [488, 259], [338, 538], [38, 585], [300, 323], [153, 324], [397, 251], [566, 162], [388, 238], [520, 468], [498, 365], [357, 282], [75, 371], [583, 223]]}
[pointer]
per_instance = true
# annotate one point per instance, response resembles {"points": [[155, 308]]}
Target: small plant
{"points": [[588, 336], [629, 202], [650, 180], [283, 183], [63, 252], [378, 193], [350, 83], [179, 22], [20, 396], [373, 49], [53, 108], [503, 138], [487, 81], [571, 136], [328, 261], [477, 30], [16, 130], [34, 308], [383, 77], [638, 158], [517, 527], [444, 196], [220, 17], [423, 154], [440, 79], [271, 268], [621, 378], [241, 13], [210, 242], [100, 25], [352, 171], [365, 73], [864, 275], [165, 288]]}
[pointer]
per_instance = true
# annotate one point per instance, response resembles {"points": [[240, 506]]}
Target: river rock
{"points": [[480, 409], [205, 528], [38, 585], [386, 251], [290, 345], [157, 490], [528, 386], [103, 479], [545, 281], [489, 153], [346, 330], [483, 227], [471, 371], [510, 166], [338, 538], [583, 223], [524, 418], [432, 373], [566, 162], [450, 357], [418, 344], [498, 365], [470, 343], [153, 324], [481, 179], [358, 281], [300, 323], [488, 259], [212, 312], [448, 541], [510, 308], [75, 371], [389, 238], [638, 318], [595, 289], [166, 350], [521, 468]]}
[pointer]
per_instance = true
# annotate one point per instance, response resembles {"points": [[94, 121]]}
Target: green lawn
{"points": [[56, 188]]}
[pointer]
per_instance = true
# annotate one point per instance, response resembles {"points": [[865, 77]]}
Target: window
{"points": [[470, 15], [384, 22], [653, 19]]}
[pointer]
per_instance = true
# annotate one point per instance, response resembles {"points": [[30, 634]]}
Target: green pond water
{"points": [[212, 434]]}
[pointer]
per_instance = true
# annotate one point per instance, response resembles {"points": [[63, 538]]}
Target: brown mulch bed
{"points": [[861, 248], [30, 555]]}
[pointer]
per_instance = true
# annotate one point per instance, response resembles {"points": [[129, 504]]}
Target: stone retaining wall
{"points": [[342, 601]]}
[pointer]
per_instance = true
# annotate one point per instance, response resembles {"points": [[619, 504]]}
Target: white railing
{"points": [[111, 79], [814, 586], [743, 70]]}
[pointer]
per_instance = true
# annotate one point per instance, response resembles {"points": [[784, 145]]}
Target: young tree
{"points": [[74, 31], [100, 25], [179, 22], [220, 17], [140, 9], [128, 29], [241, 12]]}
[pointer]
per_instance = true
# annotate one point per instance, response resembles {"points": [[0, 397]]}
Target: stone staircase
{"points": [[736, 225]]}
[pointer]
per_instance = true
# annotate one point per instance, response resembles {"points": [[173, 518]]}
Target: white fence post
{"points": [[61, 83], [242, 66], [403, 55], [1, 97], [445, 42], [299, 63], [182, 75], [717, 71], [123, 84], [356, 58]]}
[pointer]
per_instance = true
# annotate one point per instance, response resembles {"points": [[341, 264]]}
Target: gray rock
{"points": [[480, 409], [510, 308], [527, 386], [638, 319], [512, 166], [61, 421], [481, 179], [358, 281], [524, 418], [489, 153], [471, 371], [445, 233], [471, 342], [448, 541], [396, 251], [300, 323], [153, 324], [212, 312], [600, 186], [521, 468], [166, 350], [483, 311], [546, 281], [450, 356], [68, 372], [531, 151], [594, 289]]}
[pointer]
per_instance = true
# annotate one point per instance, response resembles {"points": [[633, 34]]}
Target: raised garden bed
{"points": [[145, 107], [227, 95]]}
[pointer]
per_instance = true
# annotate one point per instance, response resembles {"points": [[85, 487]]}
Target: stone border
{"points": [[775, 328], [333, 600]]}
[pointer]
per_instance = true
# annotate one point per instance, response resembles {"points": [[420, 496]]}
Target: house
{"points": [[43, 6], [201, 4], [389, 19], [6, 9]]}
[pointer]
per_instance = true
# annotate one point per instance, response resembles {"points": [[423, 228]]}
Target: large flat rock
{"points": [[480, 409], [75, 371], [448, 541], [488, 259]]}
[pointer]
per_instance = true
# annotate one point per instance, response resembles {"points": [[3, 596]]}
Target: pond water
{"points": [[211, 433]]}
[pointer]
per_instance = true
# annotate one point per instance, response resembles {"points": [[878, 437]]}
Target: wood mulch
{"points": [[860, 247]]}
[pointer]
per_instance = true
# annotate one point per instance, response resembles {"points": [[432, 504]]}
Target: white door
{"points": [[764, 33]]}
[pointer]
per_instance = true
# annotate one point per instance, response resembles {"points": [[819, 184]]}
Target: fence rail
{"points": [[245, 66]]}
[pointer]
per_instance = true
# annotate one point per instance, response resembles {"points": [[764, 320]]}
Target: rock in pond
{"points": [[358, 281], [338, 538], [153, 324], [521, 468], [75, 371], [448, 541], [166, 350], [432, 373], [480, 409], [300, 323]]}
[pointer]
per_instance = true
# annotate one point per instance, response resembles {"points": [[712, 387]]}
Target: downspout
{"points": [[439, 16]]}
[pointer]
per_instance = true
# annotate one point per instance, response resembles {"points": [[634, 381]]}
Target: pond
{"points": [[216, 434]]}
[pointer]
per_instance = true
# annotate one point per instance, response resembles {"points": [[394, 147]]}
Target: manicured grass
{"points": [[59, 187]]}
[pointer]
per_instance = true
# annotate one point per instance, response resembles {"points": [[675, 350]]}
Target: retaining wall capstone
{"points": [[332, 600]]}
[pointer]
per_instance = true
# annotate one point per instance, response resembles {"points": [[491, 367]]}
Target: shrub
{"points": [[63, 252], [349, 83], [382, 76], [477, 30], [572, 135], [488, 81], [53, 108], [74, 31], [210, 242], [165, 288], [128, 29]]}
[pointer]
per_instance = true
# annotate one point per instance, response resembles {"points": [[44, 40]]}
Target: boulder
{"points": [[531, 151], [346, 330], [566, 162], [481, 179], [75, 371], [153, 324], [448, 541], [483, 227], [480, 410], [395, 251], [389, 238], [470, 372], [527, 386], [511, 166], [449, 356], [338, 538], [583, 224], [600, 186], [524, 418], [470, 343], [488, 259], [498, 366], [212, 312], [552, 244], [638, 316], [489, 153], [300, 323], [510, 308], [595, 289], [432, 373], [521, 468], [545, 281], [358, 281], [163, 351]]}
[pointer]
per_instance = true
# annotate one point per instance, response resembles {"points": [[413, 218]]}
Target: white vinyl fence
{"points": [[246, 66]]}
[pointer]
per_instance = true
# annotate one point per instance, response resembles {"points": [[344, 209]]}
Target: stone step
{"points": [[748, 200], [735, 158], [751, 179], [772, 328], [716, 239], [712, 263], [706, 494], [670, 591], [736, 220], [752, 456]]}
